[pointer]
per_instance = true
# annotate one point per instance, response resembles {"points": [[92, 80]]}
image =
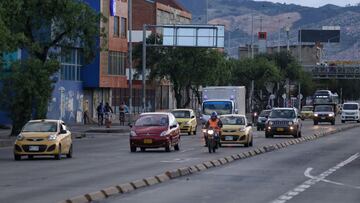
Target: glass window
{"points": [[181, 114], [233, 120], [71, 62], [324, 108], [350, 106], [117, 63], [123, 27], [282, 113], [40, 127], [153, 120], [116, 26]]}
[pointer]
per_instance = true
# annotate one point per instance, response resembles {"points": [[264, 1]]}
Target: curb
{"points": [[185, 171]]}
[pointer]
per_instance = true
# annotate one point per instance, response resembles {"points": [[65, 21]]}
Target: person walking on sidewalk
{"points": [[108, 113], [122, 110], [86, 112], [100, 112]]}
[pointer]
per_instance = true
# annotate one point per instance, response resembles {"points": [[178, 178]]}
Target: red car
{"points": [[155, 130]]}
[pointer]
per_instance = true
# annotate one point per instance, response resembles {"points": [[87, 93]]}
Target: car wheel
{"points": [[258, 128], [177, 147], [194, 132], [316, 122], [142, 149], [358, 121], [300, 135], [268, 135], [58, 156], [342, 121], [220, 144], [30, 156], [251, 143], [69, 155], [132, 149], [190, 131], [332, 122], [167, 148], [17, 157]]}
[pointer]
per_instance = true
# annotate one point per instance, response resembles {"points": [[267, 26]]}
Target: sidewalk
{"points": [[5, 139]]}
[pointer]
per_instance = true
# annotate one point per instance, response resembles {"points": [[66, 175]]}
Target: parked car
{"points": [[155, 130], [307, 112], [350, 112], [324, 113], [236, 130], [186, 119], [43, 137], [263, 117], [283, 121]]}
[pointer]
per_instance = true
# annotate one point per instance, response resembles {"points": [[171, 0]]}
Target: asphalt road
{"points": [[104, 160], [325, 171]]}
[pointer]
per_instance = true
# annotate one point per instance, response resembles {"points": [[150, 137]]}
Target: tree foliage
{"points": [[40, 28]]}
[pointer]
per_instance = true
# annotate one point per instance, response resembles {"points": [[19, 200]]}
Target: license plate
{"points": [[34, 148], [280, 129], [228, 138], [323, 118], [148, 141]]}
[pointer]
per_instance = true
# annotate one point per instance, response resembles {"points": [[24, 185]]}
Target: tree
{"points": [[44, 26], [186, 68]]}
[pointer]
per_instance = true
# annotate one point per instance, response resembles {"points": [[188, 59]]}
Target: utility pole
{"points": [[278, 48], [252, 35], [288, 38], [299, 96], [130, 59], [143, 69]]}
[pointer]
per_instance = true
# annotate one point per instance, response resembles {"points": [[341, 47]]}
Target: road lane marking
{"points": [[315, 179], [178, 160]]}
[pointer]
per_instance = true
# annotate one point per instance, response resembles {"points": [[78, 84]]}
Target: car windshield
{"points": [[220, 107], [350, 106], [233, 120], [282, 113], [264, 113], [152, 120], [40, 127], [323, 108], [307, 108], [181, 114]]}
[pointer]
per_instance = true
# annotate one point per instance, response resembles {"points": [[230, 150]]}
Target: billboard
{"points": [[194, 35], [319, 36]]}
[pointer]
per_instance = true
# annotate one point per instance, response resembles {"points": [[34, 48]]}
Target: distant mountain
{"points": [[237, 15]]}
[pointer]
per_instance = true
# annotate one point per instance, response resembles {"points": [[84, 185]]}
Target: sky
{"points": [[316, 3]]}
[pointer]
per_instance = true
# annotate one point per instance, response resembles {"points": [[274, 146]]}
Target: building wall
{"points": [[144, 12], [66, 102]]}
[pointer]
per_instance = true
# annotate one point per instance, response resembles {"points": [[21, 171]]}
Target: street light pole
{"points": [[143, 69], [252, 35], [130, 58]]}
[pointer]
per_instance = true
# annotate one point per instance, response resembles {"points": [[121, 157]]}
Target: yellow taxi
{"points": [[186, 119], [43, 137], [307, 112], [236, 130]]}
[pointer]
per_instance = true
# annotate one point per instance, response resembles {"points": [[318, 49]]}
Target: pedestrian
{"points": [[108, 112], [86, 112], [100, 112], [122, 110]]}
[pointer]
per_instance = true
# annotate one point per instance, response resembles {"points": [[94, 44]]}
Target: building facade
{"points": [[158, 12]]}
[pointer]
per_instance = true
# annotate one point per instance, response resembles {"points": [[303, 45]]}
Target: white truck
{"points": [[223, 100]]}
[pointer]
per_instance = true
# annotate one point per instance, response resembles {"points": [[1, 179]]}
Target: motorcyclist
{"points": [[215, 123]]}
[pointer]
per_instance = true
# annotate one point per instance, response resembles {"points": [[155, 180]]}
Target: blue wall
{"points": [[90, 73], [66, 102]]}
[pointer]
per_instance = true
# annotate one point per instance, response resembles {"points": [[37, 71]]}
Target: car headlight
{"points": [[291, 123], [315, 114], [204, 130], [20, 137], [133, 134], [164, 133], [52, 137], [242, 129], [331, 115], [210, 132]]}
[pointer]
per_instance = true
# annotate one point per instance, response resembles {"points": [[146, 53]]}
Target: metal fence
{"points": [[334, 72]]}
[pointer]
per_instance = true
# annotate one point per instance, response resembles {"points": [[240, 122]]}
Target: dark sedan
{"points": [[155, 130], [263, 117]]}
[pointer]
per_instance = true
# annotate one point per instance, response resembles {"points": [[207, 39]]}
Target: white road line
{"points": [[315, 179]]}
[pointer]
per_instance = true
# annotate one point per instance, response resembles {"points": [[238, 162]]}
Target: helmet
{"points": [[214, 115]]}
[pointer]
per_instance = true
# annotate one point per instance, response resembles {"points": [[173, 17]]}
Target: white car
{"points": [[350, 112]]}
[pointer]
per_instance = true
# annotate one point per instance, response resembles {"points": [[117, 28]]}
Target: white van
{"points": [[350, 112]]}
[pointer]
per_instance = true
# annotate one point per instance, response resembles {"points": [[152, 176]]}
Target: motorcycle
{"points": [[212, 139]]}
